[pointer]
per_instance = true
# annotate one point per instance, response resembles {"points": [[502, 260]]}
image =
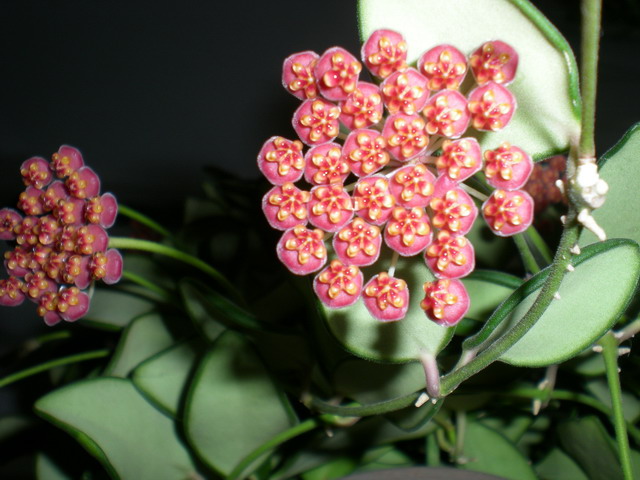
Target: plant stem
{"points": [[528, 259], [279, 439], [536, 239], [143, 219], [591, 17], [154, 247], [143, 282], [80, 357], [557, 270], [610, 353]]}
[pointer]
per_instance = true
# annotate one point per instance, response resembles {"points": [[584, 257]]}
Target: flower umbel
{"points": [[386, 161], [60, 243]]}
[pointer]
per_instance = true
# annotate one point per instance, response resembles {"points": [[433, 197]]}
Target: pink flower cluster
{"points": [[386, 160], [60, 237]]}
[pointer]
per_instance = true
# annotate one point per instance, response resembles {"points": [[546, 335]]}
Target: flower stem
{"points": [[279, 439], [526, 254], [80, 357], [591, 17], [154, 247], [143, 282], [450, 381], [610, 353], [143, 219]]}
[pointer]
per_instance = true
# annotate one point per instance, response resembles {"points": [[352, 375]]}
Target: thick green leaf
{"points": [[383, 458], [620, 167], [113, 309], [488, 451], [546, 84], [400, 341], [588, 443], [120, 428], [233, 406], [579, 317], [143, 338], [557, 465], [163, 377]]}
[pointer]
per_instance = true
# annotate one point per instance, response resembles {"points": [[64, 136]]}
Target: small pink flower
{"points": [[101, 210], [460, 159], [316, 121], [358, 243], [338, 285], [83, 183], [281, 160], [384, 52], [30, 201], [325, 164], [446, 114], [330, 207], [53, 194], [372, 199], [36, 284], [90, 239], [405, 92], [36, 172], [412, 185], [11, 294], [337, 72], [491, 106], [285, 206], [508, 212], [444, 66], [66, 161], [405, 135], [386, 297], [494, 61], [105, 266], [507, 167], [69, 211], [9, 219], [363, 107], [302, 250], [408, 231], [450, 256], [297, 74], [365, 152], [453, 208], [446, 301]]}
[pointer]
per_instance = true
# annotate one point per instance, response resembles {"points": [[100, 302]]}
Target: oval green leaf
{"points": [[120, 428], [393, 342], [488, 289], [143, 338], [620, 167], [488, 451], [546, 85], [113, 308], [580, 316], [233, 406], [164, 377]]}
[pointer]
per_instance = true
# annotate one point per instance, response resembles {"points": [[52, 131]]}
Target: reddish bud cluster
{"points": [[60, 239], [401, 142]]}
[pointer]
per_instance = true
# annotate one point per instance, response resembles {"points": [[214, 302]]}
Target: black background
{"points": [[151, 91]]}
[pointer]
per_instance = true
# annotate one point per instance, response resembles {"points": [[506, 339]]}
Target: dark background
{"points": [[151, 91]]}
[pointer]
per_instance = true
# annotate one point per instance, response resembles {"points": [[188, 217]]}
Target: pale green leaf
{"points": [[164, 377], [233, 406], [578, 317], [113, 309], [557, 465], [486, 450], [120, 428], [620, 167], [487, 289], [143, 338], [546, 84]]}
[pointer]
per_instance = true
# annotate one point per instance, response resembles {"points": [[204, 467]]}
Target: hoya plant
{"points": [[445, 280]]}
